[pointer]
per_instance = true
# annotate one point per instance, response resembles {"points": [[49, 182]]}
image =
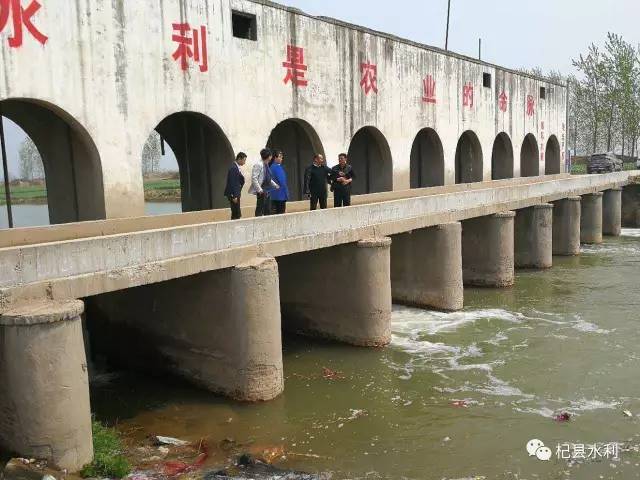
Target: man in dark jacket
{"points": [[235, 182], [342, 177], [316, 178]]}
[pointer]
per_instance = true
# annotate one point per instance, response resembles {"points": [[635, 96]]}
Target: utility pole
{"points": [[479, 49], [446, 39], [5, 167]]}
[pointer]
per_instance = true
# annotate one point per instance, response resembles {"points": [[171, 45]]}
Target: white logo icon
{"points": [[536, 448]]}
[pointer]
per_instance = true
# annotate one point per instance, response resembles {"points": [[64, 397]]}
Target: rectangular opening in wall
{"points": [[244, 25], [543, 93], [486, 80]]}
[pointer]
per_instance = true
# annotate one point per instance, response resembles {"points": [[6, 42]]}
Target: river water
{"points": [[455, 396], [37, 215]]}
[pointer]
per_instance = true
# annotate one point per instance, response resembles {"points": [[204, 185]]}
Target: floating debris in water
{"points": [[562, 417], [332, 374]]}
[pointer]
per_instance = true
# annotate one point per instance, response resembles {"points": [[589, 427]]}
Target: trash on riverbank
{"points": [[627, 413], [170, 441]]}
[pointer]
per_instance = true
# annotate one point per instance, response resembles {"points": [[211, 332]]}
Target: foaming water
{"points": [[455, 395]]}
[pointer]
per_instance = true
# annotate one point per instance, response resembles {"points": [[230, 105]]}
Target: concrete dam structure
{"points": [[460, 183], [90, 81]]}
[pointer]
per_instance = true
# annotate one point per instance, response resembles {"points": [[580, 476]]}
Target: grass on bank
{"points": [[108, 460], [166, 188]]}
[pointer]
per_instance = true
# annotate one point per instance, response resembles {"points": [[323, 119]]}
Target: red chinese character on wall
{"points": [[530, 105], [503, 101], [20, 17], [295, 66], [194, 46], [369, 77], [467, 95], [429, 89]]}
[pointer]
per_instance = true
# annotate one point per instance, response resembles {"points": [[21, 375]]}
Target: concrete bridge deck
{"points": [[119, 254]]}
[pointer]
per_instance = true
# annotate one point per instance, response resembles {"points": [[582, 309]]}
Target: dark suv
{"points": [[604, 163]]}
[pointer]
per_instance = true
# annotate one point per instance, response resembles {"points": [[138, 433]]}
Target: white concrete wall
{"points": [[109, 65]]}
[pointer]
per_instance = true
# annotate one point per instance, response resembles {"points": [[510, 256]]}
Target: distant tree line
{"points": [[604, 98]]}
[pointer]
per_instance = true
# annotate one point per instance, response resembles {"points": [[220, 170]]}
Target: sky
{"points": [[515, 33]]}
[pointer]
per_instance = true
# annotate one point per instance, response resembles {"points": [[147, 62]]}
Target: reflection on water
{"points": [[455, 396], [37, 215]]}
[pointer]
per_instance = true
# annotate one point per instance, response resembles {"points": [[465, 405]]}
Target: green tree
{"points": [[151, 154]]}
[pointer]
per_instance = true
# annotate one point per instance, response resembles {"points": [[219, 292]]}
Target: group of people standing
{"points": [[269, 183]]}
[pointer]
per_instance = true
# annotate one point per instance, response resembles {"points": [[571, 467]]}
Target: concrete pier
{"points": [[534, 237], [44, 386], [488, 250], [342, 293], [612, 212], [566, 226], [426, 267], [591, 218], [631, 206], [220, 330]]}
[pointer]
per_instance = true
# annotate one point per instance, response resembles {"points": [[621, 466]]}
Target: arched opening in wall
{"points": [[427, 160], [502, 157], [54, 167], [468, 158], [202, 154], [552, 156], [370, 156], [299, 142], [529, 165]]}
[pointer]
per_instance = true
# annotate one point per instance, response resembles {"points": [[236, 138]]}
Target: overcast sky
{"points": [[515, 33]]}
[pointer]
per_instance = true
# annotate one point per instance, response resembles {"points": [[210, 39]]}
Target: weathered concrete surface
{"points": [[566, 226], [534, 237], [54, 233], [487, 250], [90, 266], [631, 206], [219, 330], [612, 212], [342, 293], [44, 397], [426, 267], [591, 218], [123, 50]]}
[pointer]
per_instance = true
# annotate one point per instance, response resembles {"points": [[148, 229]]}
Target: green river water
{"points": [[455, 395]]}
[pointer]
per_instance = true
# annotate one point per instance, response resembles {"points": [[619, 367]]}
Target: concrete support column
{"points": [[426, 267], [631, 206], [342, 292], [220, 330], [487, 250], [591, 218], [534, 237], [44, 386], [566, 226], [612, 212]]}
